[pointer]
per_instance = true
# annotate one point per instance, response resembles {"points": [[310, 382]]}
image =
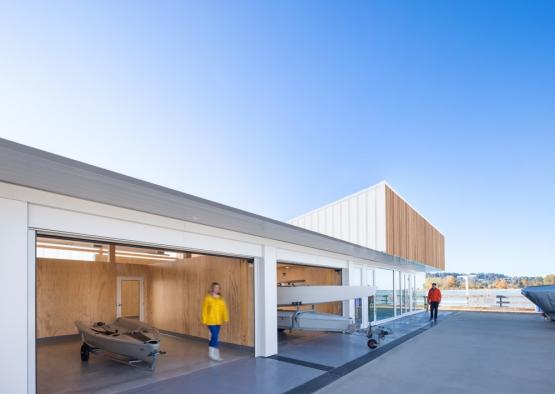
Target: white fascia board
{"points": [[44, 203], [297, 257], [287, 251], [103, 228]]}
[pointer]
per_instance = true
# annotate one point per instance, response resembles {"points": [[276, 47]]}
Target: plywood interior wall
{"points": [[70, 290], [177, 290], [312, 276], [409, 235]]}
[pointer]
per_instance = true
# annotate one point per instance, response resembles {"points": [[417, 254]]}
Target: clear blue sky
{"points": [[280, 108]]}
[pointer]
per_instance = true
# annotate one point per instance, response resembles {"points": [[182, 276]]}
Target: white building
{"points": [[78, 240]]}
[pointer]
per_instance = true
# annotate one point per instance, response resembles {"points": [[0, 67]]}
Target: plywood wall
{"points": [[312, 276], [177, 290], [409, 235], [70, 290]]}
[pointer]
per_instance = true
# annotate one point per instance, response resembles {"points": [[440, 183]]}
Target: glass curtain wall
{"points": [[385, 294], [413, 291], [371, 300], [356, 280], [406, 292], [420, 292], [398, 291]]}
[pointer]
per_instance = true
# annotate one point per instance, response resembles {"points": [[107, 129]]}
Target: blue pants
{"points": [[214, 334], [433, 310]]}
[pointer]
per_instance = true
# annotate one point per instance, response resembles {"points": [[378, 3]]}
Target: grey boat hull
{"points": [[125, 340], [313, 321], [543, 297]]}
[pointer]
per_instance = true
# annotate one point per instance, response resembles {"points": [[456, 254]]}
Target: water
{"points": [[485, 298]]}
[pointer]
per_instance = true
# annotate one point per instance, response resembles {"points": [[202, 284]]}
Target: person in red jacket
{"points": [[434, 298]]}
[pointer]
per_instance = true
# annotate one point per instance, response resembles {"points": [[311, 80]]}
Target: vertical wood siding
{"points": [[410, 236]]}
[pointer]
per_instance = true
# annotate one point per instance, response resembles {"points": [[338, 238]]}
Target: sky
{"points": [[278, 108]]}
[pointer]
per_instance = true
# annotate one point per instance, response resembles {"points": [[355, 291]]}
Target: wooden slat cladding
{"points": [[410, 236]]}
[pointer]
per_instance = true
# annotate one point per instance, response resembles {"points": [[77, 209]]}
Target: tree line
{"points": [[454, 280]]}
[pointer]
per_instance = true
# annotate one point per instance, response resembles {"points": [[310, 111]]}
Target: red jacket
{"points": [[434, 295]]}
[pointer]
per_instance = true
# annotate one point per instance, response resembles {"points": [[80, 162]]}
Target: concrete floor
{"points": [[246, 376], [467, 353], [60, 370], [336, 349], [305, 360], [308, 357]]}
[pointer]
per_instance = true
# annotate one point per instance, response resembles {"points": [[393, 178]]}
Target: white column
{"points": [[13, 300], [265, 299], [365, 299], [345, 282], [355, 279], [31, 311]]}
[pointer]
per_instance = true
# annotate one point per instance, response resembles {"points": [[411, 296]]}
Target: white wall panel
{"points": [[266, 343], [291, 256], [13, 302], [86, 225], [359, 218]]}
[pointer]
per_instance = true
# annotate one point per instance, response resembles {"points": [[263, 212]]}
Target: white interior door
{"points": [[130, 297]]}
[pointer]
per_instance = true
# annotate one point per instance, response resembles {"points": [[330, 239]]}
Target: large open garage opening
{"points": [[303, 320], [97, 282], [319, 315]]}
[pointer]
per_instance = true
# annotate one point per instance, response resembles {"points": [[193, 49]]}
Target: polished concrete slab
{"points": [[246, 376], [60, 370], [467, 353], [336, 349], [303, 359]]}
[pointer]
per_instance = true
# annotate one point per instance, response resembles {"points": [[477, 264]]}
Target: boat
{"points": [[543, 297], [296, 294], [313, 321], [127, 341]]}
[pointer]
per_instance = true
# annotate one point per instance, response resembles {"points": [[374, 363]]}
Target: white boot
{"points": [[212, 353], [217, 355]]}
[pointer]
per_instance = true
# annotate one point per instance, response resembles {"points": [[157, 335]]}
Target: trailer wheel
{"points": [[85, 352], [372, 343]]}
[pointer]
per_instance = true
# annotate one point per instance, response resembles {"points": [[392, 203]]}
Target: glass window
{"points": [[406, 292], [398, 291], [370, 277], [419, 290], [356, 280], [384, 301], [358, 311], [71, 250], [371, 309], [413, 291], [371, 300]]}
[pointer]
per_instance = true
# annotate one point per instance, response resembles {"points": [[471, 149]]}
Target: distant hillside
{"points": [[484, 280]]}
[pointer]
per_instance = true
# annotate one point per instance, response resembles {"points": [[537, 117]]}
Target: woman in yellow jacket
{"points": [[214, 315]]}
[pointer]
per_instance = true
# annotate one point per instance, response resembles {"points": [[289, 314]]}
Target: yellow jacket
{"points": [[214, 311]]}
